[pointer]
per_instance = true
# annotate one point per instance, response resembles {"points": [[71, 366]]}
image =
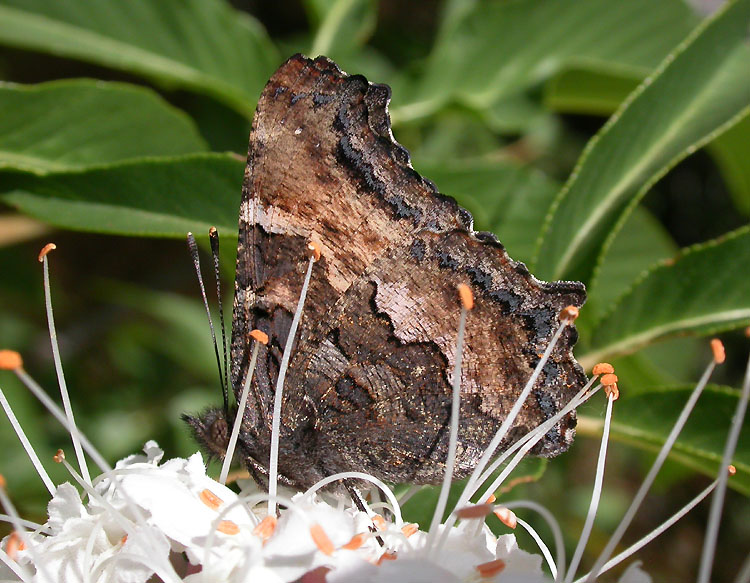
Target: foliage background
{"points": [[124, 124]]}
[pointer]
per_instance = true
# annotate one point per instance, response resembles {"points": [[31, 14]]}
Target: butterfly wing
{"points": [[376, 343]]}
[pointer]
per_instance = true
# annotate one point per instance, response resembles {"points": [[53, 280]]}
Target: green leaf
{"points": [[201, 45], [490, 50], [508, 199], [646, 419], [641, 243], [344, 27], [706, 290], [599, 89], [700, 90], [70, 124], [161, 197], [731, 151], [592, 88]]}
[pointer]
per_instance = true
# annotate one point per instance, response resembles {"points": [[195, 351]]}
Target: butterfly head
{"points": [[211, 430]]}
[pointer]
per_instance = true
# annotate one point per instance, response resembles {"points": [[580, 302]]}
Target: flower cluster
{"points": [[146, 520]]}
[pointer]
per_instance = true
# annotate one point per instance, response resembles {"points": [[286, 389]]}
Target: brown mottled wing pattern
{"points": [[368, 384]]}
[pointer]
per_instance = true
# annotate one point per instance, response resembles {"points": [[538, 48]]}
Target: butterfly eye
{"points": [[219, 432]]}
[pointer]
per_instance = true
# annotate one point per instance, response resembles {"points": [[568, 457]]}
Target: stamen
{"points": [[466, 296], [490, 499], [18, 570], [413, 489], [635, 547], [15, 520], [387, 556], [265, 528], [717, 348], [53, 408], [556, 534], [273, 465], [569, 314], [609, 382], [321, 540], [602, 368], [29, 524], [14, 545], [717, 501], [228, 527], [661, 457], [260, 338], [210, 499], [46, 249], [356, 542], [161, 567], [410, 529], [10, 360], [545, 550], [597, 490], [490, 569], [395, 508], [467, 303], [378, 521], [506, 516], [36, 462], [522, 446], [471, 485], [58, 365], [473, 512]]}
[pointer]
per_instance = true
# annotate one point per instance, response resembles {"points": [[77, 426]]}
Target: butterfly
{"points": [[369, 381]]}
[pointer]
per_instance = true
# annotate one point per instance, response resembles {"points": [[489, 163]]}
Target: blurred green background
{"points": [[601, 141]]}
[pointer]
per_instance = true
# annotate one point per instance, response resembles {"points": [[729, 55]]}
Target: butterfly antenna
{"points": [[193, 248], [213, 236]]}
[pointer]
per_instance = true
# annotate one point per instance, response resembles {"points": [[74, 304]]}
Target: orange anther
{"points": [[46, 249], [410, 529], [747, 332], [356, 542], [124, 539], [59, 456], [3, 483], [261, 337], [387, 556], [265, 527], [314, 251], [731, 469], [612, 391], [608, 379], [718, 349], [321, 540], [10, 360], [227, 527], [466, 296], [506, 516], [210, 499], [490, 499], [378, 521], [490, 569], [602, 368], [14, 545], [569, 313], [475, 511]]}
